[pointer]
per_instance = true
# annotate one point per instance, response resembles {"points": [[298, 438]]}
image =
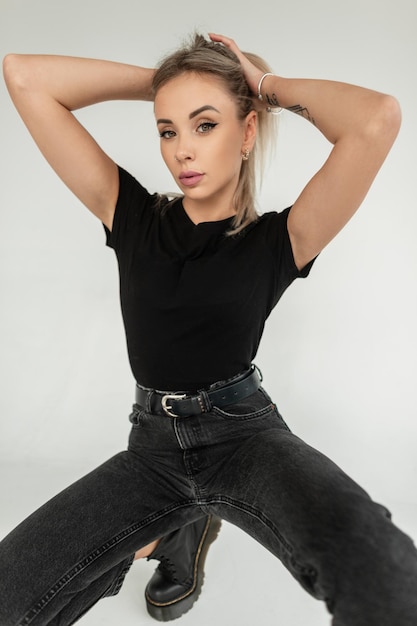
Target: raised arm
{"points": [[45, 91], [360, 123]]}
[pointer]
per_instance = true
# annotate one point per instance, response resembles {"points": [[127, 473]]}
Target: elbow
{"points": [[15, 71], [391, 114], [386, 120], [9, 67]]}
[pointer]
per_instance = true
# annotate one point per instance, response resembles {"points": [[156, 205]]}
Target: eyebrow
{"points": [[206, 107]]}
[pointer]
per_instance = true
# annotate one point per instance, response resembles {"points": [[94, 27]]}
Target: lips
{"points": [[190, 178]]}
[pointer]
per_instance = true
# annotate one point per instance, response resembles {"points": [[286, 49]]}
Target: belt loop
{"points": [[149, 401], [204, 401], [259, 372]]}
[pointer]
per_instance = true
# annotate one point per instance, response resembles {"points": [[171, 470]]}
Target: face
{"points": [[202, 142]]}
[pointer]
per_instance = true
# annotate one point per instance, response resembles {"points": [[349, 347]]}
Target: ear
{"points": [[250, 128]]}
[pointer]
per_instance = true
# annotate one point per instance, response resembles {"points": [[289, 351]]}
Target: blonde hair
{"points": [[204, 56]]}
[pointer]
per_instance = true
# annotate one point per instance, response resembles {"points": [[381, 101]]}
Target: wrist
{"points": [[260, 83], [145, 81], [267, 96]]}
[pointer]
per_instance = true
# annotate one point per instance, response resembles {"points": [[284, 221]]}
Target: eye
{"points": [[167, 134], [205, 127]]}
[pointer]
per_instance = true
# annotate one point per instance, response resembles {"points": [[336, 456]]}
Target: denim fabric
{"points": [[241, 463]]}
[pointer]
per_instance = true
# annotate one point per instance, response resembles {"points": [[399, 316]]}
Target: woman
{"points": [[198, 277]]}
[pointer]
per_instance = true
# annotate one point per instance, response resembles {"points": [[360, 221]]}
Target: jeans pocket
{"points": [[256, 405]]}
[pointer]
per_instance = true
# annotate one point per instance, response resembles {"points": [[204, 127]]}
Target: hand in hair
{"points": [[252, 73]]}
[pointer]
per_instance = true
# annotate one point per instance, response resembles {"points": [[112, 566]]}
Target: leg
{"points": [[177, 581], [340, 545], [145, 552], [77, 548]]}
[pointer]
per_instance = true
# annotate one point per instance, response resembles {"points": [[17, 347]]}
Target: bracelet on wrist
{"points": [[260, 97], [274, 111]]}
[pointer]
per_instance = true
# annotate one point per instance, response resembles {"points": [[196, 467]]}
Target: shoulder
{"points": [[275, 217], [135, 208], [270, 225], [273, 239], [129, 185], [132, 192]]}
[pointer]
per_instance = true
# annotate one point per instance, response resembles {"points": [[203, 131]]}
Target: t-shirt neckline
{"points": [[213, 226]]}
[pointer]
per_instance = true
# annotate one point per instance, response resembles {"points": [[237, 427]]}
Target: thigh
{"points": [[88, 530], [336, 541], [292, 489]]}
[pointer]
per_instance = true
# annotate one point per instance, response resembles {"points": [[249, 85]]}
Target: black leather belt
{"points": [[184, 405]]}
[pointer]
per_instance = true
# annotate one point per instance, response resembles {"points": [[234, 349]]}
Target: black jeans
{"points": [[242, 464]]}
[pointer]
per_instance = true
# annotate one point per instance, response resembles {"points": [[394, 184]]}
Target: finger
{"points": [[217, 37], [226, 41], [229, 43]]}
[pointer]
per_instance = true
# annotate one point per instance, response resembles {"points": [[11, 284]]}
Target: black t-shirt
{"points": [[194, 301]]}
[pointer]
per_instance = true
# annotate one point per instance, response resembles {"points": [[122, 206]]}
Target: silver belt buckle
{"points": [[171, 396]]}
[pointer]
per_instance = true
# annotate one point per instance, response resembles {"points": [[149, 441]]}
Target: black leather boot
{"points": [[177, 581]]}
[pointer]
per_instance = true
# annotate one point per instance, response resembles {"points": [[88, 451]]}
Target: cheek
{"points": [[232, 155], [233, 148]]}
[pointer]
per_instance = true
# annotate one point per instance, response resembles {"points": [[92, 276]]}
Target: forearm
{"points": [[337, 109], [75, 82]]}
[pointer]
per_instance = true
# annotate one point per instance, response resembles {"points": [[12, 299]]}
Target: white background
{"points": [[339, 352]]}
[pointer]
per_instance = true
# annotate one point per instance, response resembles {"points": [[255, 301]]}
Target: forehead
{"points": [[189, 91]]}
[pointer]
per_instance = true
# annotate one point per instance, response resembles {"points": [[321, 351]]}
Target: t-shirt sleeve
{"points": [[280, 250], [133, 207], [287, 256]]}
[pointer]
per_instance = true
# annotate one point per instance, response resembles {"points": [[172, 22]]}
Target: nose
{"points": [[184, 151], [182, 156]]}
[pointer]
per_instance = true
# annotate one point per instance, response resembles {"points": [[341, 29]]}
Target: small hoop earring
{"points": [[245, 155]]}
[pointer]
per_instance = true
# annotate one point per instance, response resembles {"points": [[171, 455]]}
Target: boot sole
{"points": [[166, 612]]}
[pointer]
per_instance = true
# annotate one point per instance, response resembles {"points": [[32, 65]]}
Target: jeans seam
{"points": [[91, 558], [254, 512], [118, 583]]}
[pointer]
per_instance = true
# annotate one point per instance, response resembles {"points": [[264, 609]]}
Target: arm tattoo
{"points": [[297, 108], [272, 100]]}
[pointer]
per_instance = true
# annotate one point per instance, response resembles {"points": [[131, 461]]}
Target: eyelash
{"points": [[168, 134], [210, 125], [164, 134]]}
